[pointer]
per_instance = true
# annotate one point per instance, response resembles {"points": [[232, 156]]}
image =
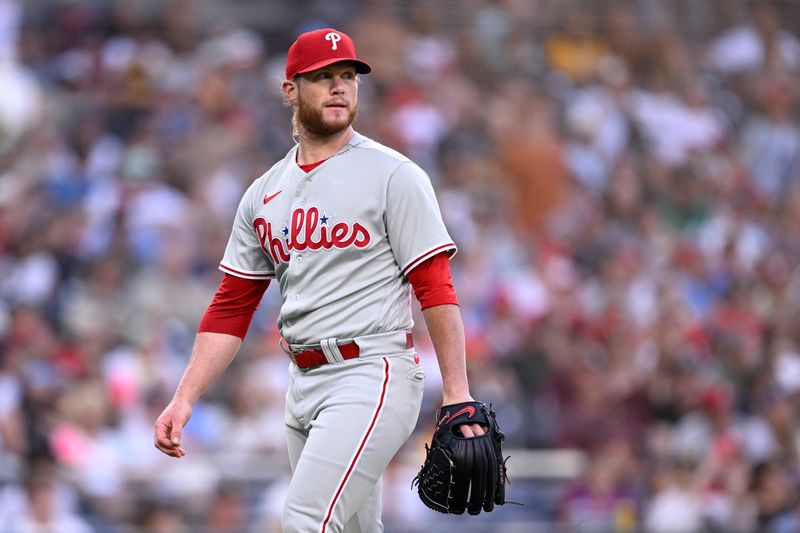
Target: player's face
{"points": [[327, 99]]}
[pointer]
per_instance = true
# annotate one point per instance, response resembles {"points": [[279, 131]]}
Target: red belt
{"points": [[350, 350]]}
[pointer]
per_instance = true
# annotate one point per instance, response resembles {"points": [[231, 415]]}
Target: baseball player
{"points": [[348, 228]]}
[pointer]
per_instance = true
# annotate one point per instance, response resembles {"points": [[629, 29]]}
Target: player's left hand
{"points": [[464, 471], [471, 430], [467, 430]]}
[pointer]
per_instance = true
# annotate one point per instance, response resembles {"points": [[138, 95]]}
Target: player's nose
{"points": [[338, 85]]}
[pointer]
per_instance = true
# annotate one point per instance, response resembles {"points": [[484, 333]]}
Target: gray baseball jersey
{"points": [[339, 239]]}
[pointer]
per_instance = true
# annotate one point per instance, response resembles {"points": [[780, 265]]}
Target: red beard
{"points": [[311, 120]]}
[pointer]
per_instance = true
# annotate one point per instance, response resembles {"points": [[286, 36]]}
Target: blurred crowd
{"points": [[621, 178]]}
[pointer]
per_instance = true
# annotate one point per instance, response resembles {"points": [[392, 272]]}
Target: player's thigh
{"points": [[296, 431], [359, 428], [295, 442]]}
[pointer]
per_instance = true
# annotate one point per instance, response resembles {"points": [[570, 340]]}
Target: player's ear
{"points": [[289, 89]]}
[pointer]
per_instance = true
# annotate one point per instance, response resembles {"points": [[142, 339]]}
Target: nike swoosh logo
{"points": [[270, 197], [468, 409]]}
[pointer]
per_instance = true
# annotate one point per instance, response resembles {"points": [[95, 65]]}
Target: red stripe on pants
{"points": [[361, 446]]}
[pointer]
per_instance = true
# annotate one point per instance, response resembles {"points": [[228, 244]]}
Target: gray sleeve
{"points": [[244, 256], [413, 220]]}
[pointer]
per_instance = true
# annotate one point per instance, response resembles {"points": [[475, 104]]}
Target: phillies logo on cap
{"points": [[319, 48], [334, 38]]}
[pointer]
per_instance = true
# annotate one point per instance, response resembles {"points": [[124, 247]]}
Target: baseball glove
{"points": [[463, 473]]}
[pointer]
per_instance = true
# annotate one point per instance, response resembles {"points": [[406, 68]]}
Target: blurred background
{"points": [[621, 177]]}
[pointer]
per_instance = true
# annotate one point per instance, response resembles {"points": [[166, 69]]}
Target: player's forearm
{"points": [[212, 353], [447, 334]]}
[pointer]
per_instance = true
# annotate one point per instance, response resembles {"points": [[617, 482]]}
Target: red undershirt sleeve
{"points": [[233, 306], [432, 282]]}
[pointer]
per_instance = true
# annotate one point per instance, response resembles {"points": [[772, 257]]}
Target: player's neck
{"points": [[315, 148]]}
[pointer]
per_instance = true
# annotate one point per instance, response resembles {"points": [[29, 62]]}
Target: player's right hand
{"points": [[169, 427]]}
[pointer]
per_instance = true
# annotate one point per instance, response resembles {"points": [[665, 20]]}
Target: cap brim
{"points": [[361, 66]]}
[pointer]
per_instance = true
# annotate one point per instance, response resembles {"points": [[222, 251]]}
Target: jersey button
{"points": [[297, 296], [299, 258]]}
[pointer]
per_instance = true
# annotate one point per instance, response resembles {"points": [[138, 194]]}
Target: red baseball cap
{"points": [[320, 48]]}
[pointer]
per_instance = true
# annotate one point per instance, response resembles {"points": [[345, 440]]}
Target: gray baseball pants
{"points": [[344, 423]]}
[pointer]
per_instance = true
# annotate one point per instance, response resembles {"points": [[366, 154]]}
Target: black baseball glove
{"points": [[463, 473]]}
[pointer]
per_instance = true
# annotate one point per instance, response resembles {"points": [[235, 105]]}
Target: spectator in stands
{"points": [[45, 507], [761, 43], [770, 141]]}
